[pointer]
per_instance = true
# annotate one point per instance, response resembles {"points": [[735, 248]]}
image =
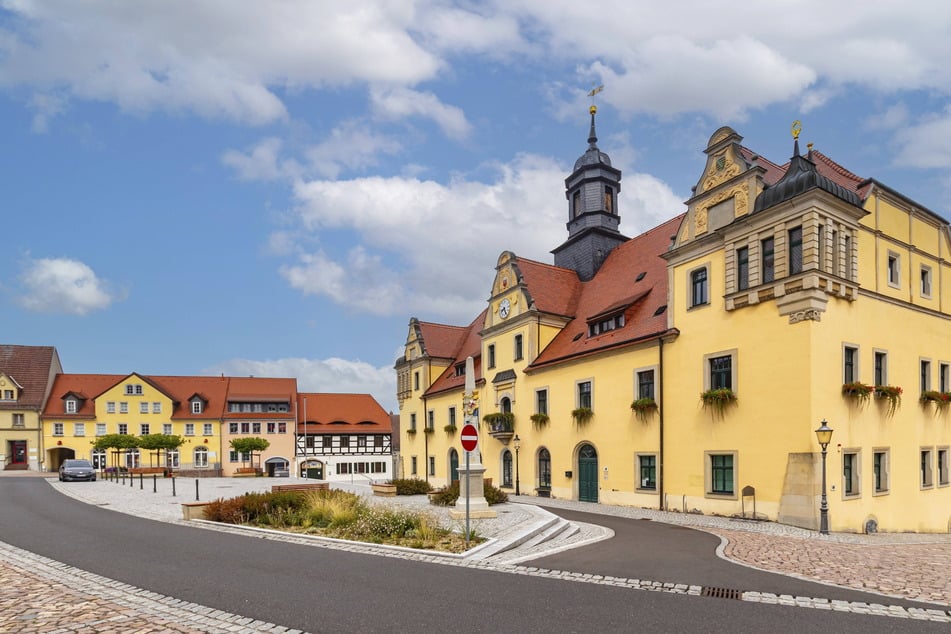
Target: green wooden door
{"points": [[588, 474], [453, 466]]}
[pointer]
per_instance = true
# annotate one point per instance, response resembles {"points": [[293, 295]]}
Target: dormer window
{"points": [[8, 395], [606, 324], [460, 369], [71, 406], [197, 406]]}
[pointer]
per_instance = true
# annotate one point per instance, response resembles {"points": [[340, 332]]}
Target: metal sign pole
{"points": [[467, 498]]}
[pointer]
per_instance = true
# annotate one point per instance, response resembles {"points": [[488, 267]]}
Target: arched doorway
{"points": [[57, 456], [587, 474], [453, 465], [507, 468], [313, 469], [276, 467]]}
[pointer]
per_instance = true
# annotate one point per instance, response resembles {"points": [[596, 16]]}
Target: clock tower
{"points": [[591, 190]]}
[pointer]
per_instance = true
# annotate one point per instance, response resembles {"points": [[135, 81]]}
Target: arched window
{"points": [[507, 468], [544, 468], [609, 200], [201, 457], [505, 405]]}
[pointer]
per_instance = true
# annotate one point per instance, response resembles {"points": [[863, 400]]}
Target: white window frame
{"points": [[72, 406], [196, 406], [167, 429], [885, 475], [201, 457], [58, 429], [856, 362], [734, 355], [944, 376], [893, 269], [690, 282], [926, 467], [638, 482], [875, 353], [856, 476], [122, 428], [943, 462], [143, 407], [578, 384], [100, 429], [547, 400], [189, 429], [637, 383], [79, 429], [208, 429], [926, 282], [708, 475], [123, 407], [110, 407], [156, 407], [924, 371], [144, 429]]}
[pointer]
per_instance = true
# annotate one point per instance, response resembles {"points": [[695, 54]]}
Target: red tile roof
{"points": [[31, 367], [91, 385], [614, 287], [261, 390], [341, 413], [440, 340], [471, 346], [560, 286]]}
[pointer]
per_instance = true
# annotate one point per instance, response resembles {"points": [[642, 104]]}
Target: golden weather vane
{"points": [[594, 90], [796, 129]]}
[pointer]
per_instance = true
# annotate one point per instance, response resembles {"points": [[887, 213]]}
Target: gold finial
{"points": [[809, 146], [593, 109], [796, 129]]}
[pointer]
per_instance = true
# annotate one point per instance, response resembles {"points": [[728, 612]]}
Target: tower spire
{"points": [[593, 135]]}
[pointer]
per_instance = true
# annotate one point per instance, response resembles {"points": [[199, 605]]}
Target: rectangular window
{"points": [[645, 384], [432, 465], [847, 250], [925, 281], [123, 428], [518, 347], [143, 407], [71, 406], [167, 429], [415, 380], [584, 394], [233, 428], [822, 250], [412, 421], [894, 270], [721, 474], [196, 406], [927, 469], [138, 389], [19, 420], [943, 375], [431, 419], [767, 249], [123, 407], [743, 268], [721, 372], [881, 368], [452, 416], [850, 357], [79, 429], [208, 429], [58, 429], [189, 429], [491, 355], [271, 428], [110, 407], [8, 395], [255, 428], [880, 471], [943, 466], [129, 389], [647, 472], [925, 375], [850, 473], [143, 429], [100, 429], [156, 408], [541, 401], [245, 428], [795, 250], [698, 287], [412, 462]]}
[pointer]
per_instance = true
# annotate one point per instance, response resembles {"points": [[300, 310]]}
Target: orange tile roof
{"points": [[341, 413], [440, 340], [471, 346], [212, 389], [91, 385], [30, 367], [615, 287], [560, 286], [261, 390]]}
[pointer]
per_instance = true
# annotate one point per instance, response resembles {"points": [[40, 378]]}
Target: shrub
{"points": [[448, 495], [412, 486]]}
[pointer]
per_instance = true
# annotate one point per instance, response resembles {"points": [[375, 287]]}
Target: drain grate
{"points": [[722, 593]]}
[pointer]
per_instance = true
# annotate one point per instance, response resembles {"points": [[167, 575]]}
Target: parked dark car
{"points": [[76, 470]]}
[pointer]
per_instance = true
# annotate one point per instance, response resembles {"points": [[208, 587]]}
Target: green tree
{"points": [[118, 442], [158, 443], [248, 446]]}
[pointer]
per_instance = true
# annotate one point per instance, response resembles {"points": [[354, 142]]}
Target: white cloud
{"points": [[262, 162], [891, 118], [321, 375], [353, 146], [400, 103], [61, 285], [925, 143], [431, 248]]}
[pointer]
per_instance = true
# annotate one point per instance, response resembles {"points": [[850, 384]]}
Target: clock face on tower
{"points": [[505, 308]]}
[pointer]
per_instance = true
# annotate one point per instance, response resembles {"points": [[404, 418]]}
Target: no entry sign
{"points": [[470, 437]]}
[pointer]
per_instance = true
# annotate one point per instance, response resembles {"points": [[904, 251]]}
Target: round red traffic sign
{"points": [[470, 437]]}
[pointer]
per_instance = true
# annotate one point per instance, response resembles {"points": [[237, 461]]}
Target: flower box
{"points": [[857, 391], [384, 489], [582, 415], [718, 400], [891, 394], [539, 419], [643, 408]]}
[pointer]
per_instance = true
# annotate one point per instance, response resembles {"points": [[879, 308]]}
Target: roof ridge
{"points": [[836, 166]]}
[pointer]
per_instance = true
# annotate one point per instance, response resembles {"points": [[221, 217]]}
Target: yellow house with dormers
{"points": [[688, 368], [26, 376]]}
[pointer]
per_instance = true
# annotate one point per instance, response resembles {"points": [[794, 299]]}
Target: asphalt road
{"points": [[322, 590]]}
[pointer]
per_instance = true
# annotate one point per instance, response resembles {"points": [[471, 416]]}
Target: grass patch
{"points": [[339, 514]]}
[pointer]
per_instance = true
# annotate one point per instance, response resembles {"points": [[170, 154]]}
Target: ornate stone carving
{"points": [[740, 195], [804, 315], [700, 219], [721, 169]]}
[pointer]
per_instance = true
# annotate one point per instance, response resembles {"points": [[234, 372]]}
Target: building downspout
{"points": [[660, 419], [425, 441]]}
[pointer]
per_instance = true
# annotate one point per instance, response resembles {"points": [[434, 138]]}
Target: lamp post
{"points": [[824, 436], [518, 445]]}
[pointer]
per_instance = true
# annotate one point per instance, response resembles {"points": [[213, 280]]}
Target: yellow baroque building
{"points": [[688, 368]]}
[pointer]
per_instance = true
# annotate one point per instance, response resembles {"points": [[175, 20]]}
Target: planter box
{"points": [[194, 510], [384, 490]]}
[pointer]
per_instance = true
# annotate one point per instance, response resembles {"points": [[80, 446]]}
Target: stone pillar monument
{"points": [[471, 470]]}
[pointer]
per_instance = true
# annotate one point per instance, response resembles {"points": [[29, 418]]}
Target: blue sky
{"points": [[275, 188]]}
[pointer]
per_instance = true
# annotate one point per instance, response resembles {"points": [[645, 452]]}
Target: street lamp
{"points": [[518, 445], [824, 436]]}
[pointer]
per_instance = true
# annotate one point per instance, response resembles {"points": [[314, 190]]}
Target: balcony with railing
{"points": [[501, 425]]}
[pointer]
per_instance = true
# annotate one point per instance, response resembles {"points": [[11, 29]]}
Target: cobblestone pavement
{"points": [[67, 600], [905, 565]]}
